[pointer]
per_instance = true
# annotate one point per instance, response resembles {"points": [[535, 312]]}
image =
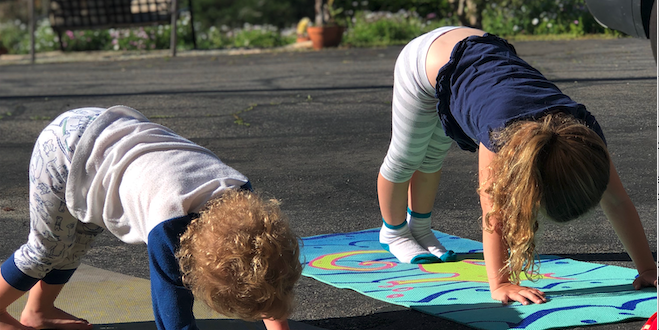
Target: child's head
{"points": [[556, 164], [241, 257]]}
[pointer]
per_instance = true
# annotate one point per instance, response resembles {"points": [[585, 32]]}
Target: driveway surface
{"points": [[311, 129]]}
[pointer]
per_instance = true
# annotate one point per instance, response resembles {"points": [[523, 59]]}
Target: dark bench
{"points": [[103, 14]]}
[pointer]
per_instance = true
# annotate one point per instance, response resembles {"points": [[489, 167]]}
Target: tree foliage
{"points": [[234, 13]]}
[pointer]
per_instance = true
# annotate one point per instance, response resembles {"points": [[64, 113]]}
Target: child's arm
{"points": [[494, 249], [272, 324], [172, 301], [626, 222]]}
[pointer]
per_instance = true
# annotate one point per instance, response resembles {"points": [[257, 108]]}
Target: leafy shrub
{"points": [[364, 27], [514, 17], [214, 38], [256, 36], [379, 28], [234, 14], [82, 40], [385, 28], [15, 37], [12, 35], [424, 8]]}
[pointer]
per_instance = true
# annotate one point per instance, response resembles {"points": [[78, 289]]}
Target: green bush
{"points": [[517, 17], [12, 35], [149, 38], [424, 8], [234, 14], [385, 28], [259, 37], [381, 29], [83, 40], [364, 28], [15, 37], [214, 38]]}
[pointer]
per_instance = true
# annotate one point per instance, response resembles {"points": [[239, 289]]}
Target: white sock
{"points": [[399, 241], [420, 228]]}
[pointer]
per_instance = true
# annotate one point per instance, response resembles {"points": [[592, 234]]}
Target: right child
{"points": [[538, 151]]}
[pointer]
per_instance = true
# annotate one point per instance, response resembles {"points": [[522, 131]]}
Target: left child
{"points": [[208, 234]]}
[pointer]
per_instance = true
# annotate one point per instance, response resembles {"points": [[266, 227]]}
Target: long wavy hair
{"points": [[241, 258], [554, 164]]}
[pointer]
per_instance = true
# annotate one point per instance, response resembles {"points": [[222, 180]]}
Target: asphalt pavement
{"points": [[311, 128]]}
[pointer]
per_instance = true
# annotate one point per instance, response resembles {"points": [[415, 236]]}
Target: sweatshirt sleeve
{"points": [[172, 301]]}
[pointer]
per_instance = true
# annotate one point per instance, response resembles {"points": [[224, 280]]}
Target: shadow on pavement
{"points": [[202, 324], [621, 256], [404, 319]]}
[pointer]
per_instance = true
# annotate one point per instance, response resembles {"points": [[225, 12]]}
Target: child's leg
{"points": [[395, 235], [8, 295], [399, 241], [54, 236], [422, 192], [40, 311], [414, 122], [423, 188]]}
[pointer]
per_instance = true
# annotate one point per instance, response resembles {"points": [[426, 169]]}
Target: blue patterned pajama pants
{"points": [[57, 240]]}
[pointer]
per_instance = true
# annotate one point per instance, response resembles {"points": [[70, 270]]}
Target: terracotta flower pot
{"points": [[325, 36], [302, 38]]}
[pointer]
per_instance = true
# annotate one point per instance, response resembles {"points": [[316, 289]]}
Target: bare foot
{"points": [[7, 322], [53, 318]]}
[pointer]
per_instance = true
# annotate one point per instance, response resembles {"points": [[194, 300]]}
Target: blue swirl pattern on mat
{"points": [[579, 293]]}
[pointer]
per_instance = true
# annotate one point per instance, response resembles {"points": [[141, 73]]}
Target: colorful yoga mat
{"points": [[580, 293]]}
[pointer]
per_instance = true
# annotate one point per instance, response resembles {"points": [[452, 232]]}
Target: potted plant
{"points": [[326, 32], [301, 31]]}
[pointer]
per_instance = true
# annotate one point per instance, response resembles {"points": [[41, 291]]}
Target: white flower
{"points": [[535, 21], [116, 47], [515, 28], [549, 25]]}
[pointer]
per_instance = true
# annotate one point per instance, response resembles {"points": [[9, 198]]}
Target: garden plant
{"points": [[368, 23]]}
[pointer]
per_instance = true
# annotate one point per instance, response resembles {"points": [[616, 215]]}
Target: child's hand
{"points": [[645, 279], [508, 292], [272, 324]]}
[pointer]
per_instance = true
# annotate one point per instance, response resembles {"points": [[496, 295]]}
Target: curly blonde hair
{"points": [[241, 258], [555, 164]]}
